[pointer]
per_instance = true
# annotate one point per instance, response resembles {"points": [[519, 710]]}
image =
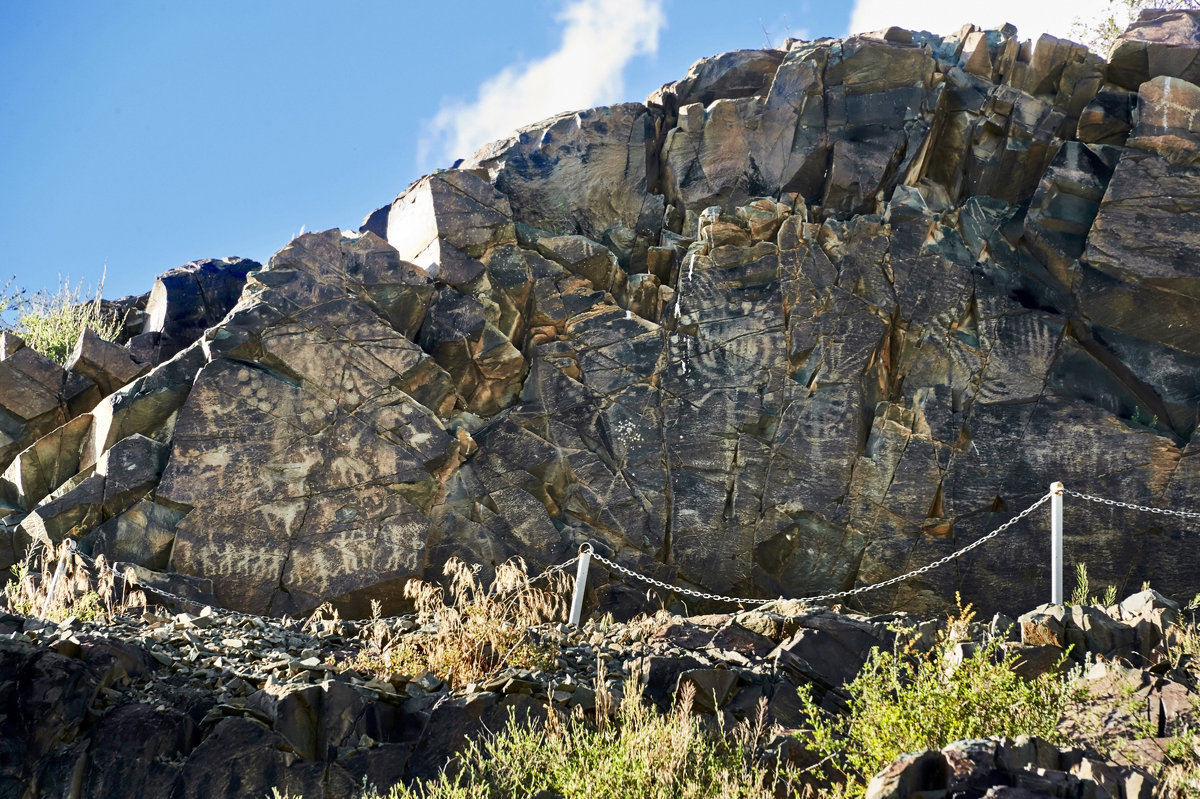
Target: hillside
{"points": [[804, 321]]}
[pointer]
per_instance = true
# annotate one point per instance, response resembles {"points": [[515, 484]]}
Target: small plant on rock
{"points": [[51, 322]]}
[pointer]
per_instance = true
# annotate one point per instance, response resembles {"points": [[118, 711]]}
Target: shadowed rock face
{"points": [[806, 320]]}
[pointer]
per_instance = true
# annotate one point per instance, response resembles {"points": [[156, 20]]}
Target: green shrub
{"points": [[642, 754], [909, 701], [51, 322]]}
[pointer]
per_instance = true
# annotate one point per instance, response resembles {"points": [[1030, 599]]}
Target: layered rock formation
{"points": [[805, 320]]}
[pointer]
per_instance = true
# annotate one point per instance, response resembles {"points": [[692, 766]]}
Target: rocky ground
{"points": [[215, 703]]}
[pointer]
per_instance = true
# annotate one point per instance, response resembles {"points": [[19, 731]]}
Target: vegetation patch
{"points": [[472, 630], [52, 321], [639, 753], [907, 700]]}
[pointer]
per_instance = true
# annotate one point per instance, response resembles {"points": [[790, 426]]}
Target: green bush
{"points": [[909, 701], [51, 322], [642, 754]]}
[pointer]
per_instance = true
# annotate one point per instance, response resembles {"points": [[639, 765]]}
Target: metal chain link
{"points": [[822, 597], [677, 589], [559, 567], [1131, 506]]}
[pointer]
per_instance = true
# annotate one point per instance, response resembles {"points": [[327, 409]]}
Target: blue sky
{"points": [[138, 136]]}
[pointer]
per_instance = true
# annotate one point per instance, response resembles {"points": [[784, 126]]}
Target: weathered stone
{"points": [[1066, 203], [1166, 120], [46, 464], [1138, 248], [143, 534], [314, 719], [587, 259], [740, 73], [167, 586], [1158, 43], [241, 757], [1093, 631], [581, 172], [1108, 118], [328, 461], [829, 655], [452, 207], [136, 745], [123, 475], [1045, 625], [910, 774], [191, 298], [36, 396], [710, 688], [146, 406], [106, 364]]}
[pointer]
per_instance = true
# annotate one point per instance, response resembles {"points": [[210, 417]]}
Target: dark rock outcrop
{"points": [[804, 321], [215, 704]]}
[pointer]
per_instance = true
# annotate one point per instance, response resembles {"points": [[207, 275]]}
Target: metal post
{"points": [[585, 560], [58, 573], [1056, 543]]}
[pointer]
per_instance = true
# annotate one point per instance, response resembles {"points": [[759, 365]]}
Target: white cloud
{"points": [[599, 38], [1032, 17]]}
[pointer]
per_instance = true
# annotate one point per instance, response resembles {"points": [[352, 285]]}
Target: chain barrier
{"points": [[668, 586], [1185, 514], [822, 597]]}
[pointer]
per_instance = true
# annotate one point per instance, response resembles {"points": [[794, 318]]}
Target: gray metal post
{"points": [[58, 573], [581, 570], [1056, 543]]}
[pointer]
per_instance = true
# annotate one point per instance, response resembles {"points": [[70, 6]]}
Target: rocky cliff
{"points": [[803, 320]]}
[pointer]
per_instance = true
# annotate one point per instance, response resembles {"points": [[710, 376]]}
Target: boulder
{"points": [[738, 73], [1166, 120], [1159, 42], [46, 464], [106, 364], [446, 219], [123, 475], [187, 300], [36, 396], [580, 172]]}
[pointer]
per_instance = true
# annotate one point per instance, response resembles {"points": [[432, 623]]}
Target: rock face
{"points": [[806, 320]]}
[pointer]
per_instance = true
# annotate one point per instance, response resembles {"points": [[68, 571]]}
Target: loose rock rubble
{"points": [[215, 703]]}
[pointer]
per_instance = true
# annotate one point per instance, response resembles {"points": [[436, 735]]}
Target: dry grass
{"points": [[80, 593], [472, 630]]}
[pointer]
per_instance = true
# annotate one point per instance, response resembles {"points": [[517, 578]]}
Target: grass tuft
{"points": [[472, 630], [79, 594], [640, 754], [51, 322]]}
